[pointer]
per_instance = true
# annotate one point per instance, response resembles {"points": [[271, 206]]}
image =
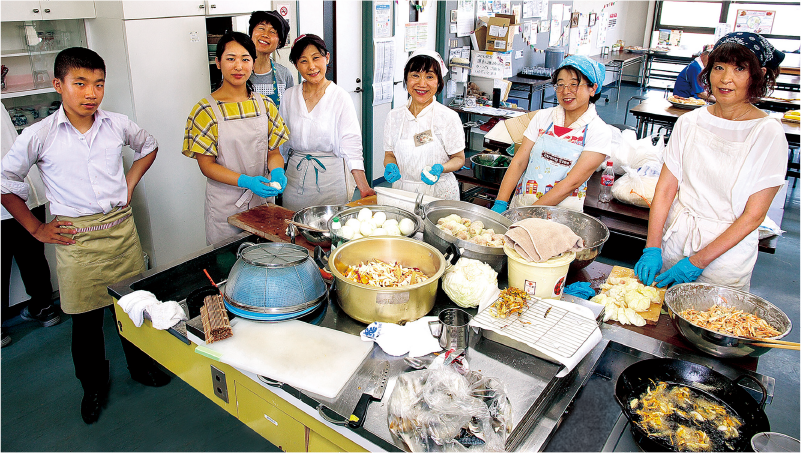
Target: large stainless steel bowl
{"points": [[587, 227], [317, 217], [483, 169], [390, 211], [434, 211], [367, 303], [702, 296]]}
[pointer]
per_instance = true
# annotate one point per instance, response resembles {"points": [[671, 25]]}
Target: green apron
{"points": [[98, 259]]}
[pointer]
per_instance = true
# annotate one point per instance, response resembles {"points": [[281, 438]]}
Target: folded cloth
{"points": [[135, 304], [581, 290], [166, 314], [539, 240], [414, 337]]}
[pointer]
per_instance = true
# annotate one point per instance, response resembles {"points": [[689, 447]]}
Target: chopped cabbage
{"points": [[469, 281]]}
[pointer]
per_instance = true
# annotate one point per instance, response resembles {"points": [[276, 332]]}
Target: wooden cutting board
{"points": [[651, 315], [267, 221]]}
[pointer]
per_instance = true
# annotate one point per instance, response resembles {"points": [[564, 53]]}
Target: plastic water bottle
{"points": [[607, 179]]}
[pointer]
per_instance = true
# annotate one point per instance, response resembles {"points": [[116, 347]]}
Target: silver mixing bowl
{"points": [[702, 296], [317, 217], [587, 227]]}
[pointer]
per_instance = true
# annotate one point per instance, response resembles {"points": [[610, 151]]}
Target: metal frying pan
{"points": [[635, 380]]}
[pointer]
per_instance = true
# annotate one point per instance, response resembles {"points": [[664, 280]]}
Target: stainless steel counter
{"points": [[539, 400]]}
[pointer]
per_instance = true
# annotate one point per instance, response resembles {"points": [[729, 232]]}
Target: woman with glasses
{"points": [[424, 140], [325, 162], [563, 145], [723, 166], [269, 31]]}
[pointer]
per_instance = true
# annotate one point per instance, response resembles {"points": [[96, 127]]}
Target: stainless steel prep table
{"points": [[539, 400]]}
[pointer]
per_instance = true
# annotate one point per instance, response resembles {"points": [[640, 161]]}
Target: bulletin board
{"points": [[531, 18]]}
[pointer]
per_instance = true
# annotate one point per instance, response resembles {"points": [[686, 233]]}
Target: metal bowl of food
{"points": [[591, 230], [442, 239], [366, 302], [702, 297], [316, 217], [490, 167], [389, 213]]}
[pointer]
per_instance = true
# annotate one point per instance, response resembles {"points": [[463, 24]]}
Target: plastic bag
{"points": [[625, 150], [636, 187], [449, 408]]}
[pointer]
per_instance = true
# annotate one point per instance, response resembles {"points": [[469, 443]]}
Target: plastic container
{"points": [[403, 199], [607, 181], [545, 280], [554, 56]]}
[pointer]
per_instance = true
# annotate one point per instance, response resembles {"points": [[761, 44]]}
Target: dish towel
{"points": [[539, 240], [135, 303], [144, 304], [414, 337]]}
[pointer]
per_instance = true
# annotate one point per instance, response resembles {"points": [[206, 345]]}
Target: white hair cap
{"points": [[433, 54]]}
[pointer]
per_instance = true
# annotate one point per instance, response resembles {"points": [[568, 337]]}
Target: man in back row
{"points": [[687, 84]]}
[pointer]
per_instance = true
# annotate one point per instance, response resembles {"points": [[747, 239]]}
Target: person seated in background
{"points": [[687, 83], [78, 150], [19, 245]]}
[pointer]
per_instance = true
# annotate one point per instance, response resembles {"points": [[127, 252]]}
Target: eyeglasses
{"points": [[569, 86]]}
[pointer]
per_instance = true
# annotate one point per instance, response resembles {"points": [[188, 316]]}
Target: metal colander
{"points": [[274, 279]]}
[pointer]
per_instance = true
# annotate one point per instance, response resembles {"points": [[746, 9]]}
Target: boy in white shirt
{"points": [[78, 151]]}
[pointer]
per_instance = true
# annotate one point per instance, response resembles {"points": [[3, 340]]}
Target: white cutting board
{"points": [[307, 357]]}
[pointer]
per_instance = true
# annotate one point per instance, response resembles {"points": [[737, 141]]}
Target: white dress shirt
{"points": [[332, 126], [36, 193], [83, 174]]}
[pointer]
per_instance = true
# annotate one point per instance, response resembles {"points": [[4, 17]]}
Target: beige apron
{"points": [[315, 179], [242, 146], [98, 259], [411, 161], [704, 209]]}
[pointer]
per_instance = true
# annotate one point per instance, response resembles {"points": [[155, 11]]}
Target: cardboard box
{"points": [[510, 131], [497, 35]]}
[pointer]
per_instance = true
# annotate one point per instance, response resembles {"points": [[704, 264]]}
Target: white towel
{"points": [[166, 314], [414, 337], [135, 303]]}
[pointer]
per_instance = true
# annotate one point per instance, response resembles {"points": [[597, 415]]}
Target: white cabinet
{"points": [[149, 9], [47, 10]]}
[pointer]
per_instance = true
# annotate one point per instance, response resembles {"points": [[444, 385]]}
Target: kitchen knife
{"points": [[374, 390]]}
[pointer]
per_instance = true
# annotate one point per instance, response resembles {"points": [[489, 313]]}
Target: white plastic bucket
{"points": [[545, 280]]}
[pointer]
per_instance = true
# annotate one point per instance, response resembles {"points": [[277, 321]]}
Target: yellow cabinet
{"points": [[271, 423]]}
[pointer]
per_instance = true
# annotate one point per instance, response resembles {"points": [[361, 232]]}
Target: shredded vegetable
{"points": [[383, 274], [730, 321]]}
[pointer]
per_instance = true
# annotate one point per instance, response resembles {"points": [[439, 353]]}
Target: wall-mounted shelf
{"points": [[16, 94]]}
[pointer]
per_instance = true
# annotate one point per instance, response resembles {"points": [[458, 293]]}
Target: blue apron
{"points": [[551, 159]]}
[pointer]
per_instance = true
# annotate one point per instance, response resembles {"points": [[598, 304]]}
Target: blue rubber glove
{"points": [[436, 171], [649, 264], [500, 206], [257, 185], [392, 173], [277, 175], [580, 289], [682, 272]]}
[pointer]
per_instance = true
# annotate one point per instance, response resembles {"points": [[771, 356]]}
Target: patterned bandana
{"points": [[768, 56], [594, 71]]}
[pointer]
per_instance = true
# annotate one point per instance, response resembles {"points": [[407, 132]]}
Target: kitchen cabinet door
{"points": [[270, 422], [57, 10], [155, 9], [18, 11], [234, 7]]}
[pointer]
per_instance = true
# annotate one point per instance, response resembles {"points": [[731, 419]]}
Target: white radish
{"points": [[379, 232], [379, 218], [365, 214], [406, 226], [366, 228], [346, 232], [353, 223]]}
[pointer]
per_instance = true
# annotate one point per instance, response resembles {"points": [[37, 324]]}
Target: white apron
{"points": [[315, 179], [704, 209], [411, 161], [550, 160], [242, 146]]}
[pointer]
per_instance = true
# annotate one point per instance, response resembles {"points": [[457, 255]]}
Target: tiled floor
{"points": [[40, 397]]}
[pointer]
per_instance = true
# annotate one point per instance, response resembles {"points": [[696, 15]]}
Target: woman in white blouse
{"points": [[424, 140], [325, 162]]}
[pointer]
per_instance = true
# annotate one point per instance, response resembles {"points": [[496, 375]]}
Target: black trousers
{"points": [[89, 350], [18, 244]]}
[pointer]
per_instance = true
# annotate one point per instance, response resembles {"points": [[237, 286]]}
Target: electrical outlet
{"points": [[218, 383], [518, 54]]}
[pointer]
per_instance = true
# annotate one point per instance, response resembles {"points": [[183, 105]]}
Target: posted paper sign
{"points": [[493, 65], [754, 21]]}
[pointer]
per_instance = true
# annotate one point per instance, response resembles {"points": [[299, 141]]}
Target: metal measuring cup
{"points": [[452, 329]]}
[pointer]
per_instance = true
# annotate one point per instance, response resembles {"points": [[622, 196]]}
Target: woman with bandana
{"points": [[723, 165], [562, 146], [269, 31]]}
